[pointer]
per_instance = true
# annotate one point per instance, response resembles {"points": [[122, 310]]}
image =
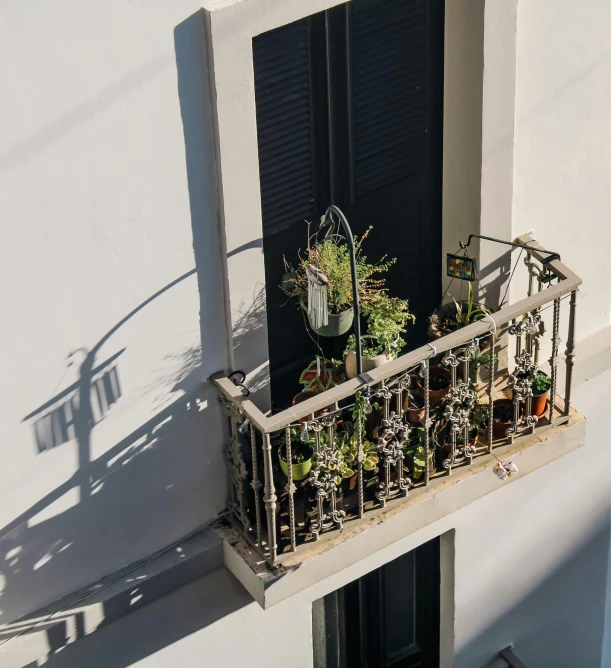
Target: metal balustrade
{"points": [[367, 421]]}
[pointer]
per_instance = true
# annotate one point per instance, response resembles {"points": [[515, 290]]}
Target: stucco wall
{"points": [[107, 200], [562, 162]]}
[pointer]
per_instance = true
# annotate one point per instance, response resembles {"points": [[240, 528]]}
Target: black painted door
{"points": [[389, 618], [349, 112]]}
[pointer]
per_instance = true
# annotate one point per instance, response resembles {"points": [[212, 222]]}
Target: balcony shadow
{"points": [[560, 623]]}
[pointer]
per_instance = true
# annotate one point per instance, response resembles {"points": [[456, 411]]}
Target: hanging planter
{"points": [[322, 283], [337, 324]]}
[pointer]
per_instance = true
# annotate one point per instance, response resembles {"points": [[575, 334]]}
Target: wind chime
{"points": [[318, 308]]}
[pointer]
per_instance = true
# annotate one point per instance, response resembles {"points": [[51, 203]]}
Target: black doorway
{"points": [[350, 111], [389, 618]]}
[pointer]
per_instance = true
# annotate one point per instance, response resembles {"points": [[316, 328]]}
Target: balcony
{"points": [[373, 449]]}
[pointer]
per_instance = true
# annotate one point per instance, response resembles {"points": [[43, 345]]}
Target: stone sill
{"points": [[337, 550]]}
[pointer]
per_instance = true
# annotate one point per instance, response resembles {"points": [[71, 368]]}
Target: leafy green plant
{"points": [[387, 319], [333, 258], [321, 374], [541, 383], [470, 314], [415, 449]]}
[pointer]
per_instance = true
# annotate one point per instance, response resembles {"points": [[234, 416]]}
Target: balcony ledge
{"points": [[359, 539]]}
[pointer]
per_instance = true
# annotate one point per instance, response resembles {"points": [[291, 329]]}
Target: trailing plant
{"points": [[386, 319], [321, 374], [333, 258], [541, 383]]}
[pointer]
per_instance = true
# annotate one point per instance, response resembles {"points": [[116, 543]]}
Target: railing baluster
{"points": [[570, 351], [255, 481], [491, 393], [553, 362], [427, 422], [360, 458], [270, 499], [290, 488]]}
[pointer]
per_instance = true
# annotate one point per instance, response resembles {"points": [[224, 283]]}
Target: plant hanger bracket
{"points": [[465, 268], [327, 221]]}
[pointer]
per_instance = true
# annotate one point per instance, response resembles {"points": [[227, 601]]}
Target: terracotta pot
{"points": [[303, 396], [499, 427], [300, 471], [368, 364], [437, 396], [539, 404], [339, 323], [414, 415]]}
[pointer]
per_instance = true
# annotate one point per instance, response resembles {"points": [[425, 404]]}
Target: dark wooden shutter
{"points": [[284, 125], [389, 80]]}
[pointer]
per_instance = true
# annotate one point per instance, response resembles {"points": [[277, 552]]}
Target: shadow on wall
{"points": [[168, 476], [560, 624], [138, 484]]}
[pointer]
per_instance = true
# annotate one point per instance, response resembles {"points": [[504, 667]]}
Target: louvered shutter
{"points": [[284, 125], [389, 80]]}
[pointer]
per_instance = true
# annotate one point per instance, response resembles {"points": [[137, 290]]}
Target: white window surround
{"points": [[479, 92]]}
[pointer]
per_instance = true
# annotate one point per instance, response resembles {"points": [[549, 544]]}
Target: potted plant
{"points": [[440, 381], [540, 385], [348, 446], [415, 454], [387, 318], [456, 315], [332, 258], [502, 417], [301, 455], [320, 375], [414, 407]]}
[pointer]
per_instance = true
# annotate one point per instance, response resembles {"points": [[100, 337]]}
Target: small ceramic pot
{"points": [[368, 364], [300, 471], [338, 324]]}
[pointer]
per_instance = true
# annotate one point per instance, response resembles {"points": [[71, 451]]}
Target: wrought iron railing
{"points": [[370, 446]]}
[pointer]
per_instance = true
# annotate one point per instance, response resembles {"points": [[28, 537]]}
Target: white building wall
{"points": [[562, 162], [101, 207]]}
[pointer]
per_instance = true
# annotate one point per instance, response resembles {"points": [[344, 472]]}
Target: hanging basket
{"points": [[338, 324]]}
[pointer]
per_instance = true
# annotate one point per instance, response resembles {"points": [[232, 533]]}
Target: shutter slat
{"points": [[282, 94], [389, 90]]}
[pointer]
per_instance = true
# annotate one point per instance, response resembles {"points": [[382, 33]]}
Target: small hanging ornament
{"points": [[504, 470], [318, 310], [461, 267]]}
